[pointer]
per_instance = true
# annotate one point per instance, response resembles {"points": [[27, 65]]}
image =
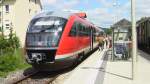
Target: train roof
{"points": [[63, 14], [56, 13], [142, 20]]}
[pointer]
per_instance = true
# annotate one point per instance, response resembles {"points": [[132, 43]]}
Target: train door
{"points": [[91, 38]]}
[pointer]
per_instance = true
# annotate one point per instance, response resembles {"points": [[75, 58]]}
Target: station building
{"points": [[122, 39], [16, 14], [122, 30]]}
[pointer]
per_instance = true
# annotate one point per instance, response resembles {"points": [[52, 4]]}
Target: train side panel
{"points": [[72, 45]]}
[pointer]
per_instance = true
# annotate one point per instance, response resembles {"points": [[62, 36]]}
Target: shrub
{"points": [[9, 44], [11, 62], [11, 56], [14, 41], [0, 29]]}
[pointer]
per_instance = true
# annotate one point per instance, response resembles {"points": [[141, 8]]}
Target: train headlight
{"points": [[38, 57]]}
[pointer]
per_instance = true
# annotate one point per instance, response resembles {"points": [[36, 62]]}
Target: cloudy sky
{"points": [[101, 12]]}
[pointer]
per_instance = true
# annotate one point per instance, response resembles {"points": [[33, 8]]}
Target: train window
{"points": [[45, 32], [84, 30], [89, 31], [47, 24], [73, 31], [80, 29]]}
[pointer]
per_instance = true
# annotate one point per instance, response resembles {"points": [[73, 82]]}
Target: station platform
{"points": [[121, 72], [87, 71], [98, 69]]}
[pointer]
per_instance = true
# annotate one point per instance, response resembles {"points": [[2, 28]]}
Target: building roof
{"points": [[123, 23]]}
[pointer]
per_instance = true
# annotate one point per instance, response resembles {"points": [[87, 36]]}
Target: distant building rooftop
{"points": [[123, 24]]}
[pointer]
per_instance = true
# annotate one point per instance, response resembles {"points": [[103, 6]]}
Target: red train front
{"points": [[56, 40]]}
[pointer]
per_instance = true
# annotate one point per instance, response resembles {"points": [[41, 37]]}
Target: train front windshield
{"points": [[45, 32]]}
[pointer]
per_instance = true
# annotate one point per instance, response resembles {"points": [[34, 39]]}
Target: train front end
{"points": [[42, 41]]}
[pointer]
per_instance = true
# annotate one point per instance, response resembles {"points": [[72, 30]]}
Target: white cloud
{"points": [[69, 4], [49, 2], [103, 17], [142, 8], [106, 4], [109, 14], [60, 4], [100, 16]]}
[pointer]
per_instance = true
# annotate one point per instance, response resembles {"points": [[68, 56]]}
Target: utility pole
{"points": [[134, 40], [115, 3], [112, 44]]}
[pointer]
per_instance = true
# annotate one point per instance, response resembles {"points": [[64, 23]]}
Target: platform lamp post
{"points": [[112, 44], [134, 40], [114, 5]]}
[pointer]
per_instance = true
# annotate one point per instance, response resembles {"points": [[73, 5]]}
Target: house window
{"points": [[7, 8], [29, 11], [120, 38], [7, 26]]}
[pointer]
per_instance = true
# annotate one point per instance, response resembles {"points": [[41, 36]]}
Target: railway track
{"points": [[23, 78], [38, 78], [32, 76], [43, 77]]}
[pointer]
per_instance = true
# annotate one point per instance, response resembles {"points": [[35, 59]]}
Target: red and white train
{"points": [[55, 40]]}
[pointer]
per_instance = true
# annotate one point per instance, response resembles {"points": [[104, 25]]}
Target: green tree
{"points": [[9, 43], [108, 31]]}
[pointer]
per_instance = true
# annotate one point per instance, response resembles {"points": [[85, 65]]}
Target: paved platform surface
{"points": [[87, 72], [98, 69], [120, 72]]}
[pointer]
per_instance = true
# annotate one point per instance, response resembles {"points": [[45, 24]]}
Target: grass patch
{"points": [[12, 61]]}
